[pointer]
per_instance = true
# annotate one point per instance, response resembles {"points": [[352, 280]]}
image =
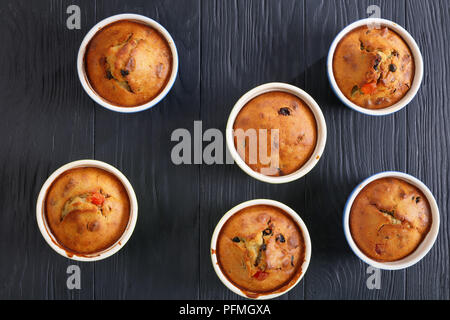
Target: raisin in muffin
{"points": [[260, 249], [87, 210], [128, 63], [389, 219], [374, 68], [291, 133]]}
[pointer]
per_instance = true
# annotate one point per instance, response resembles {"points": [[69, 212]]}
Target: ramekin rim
{"points": [[292, 213], [81, 67], [427, 243], [418, 72], [320, 122], [50, 238]]}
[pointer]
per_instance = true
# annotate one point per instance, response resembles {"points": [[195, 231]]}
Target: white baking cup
{"points": [[321, 131], [81, 65], [418, 61], [251, 203], [426, 243], [51, 239]]}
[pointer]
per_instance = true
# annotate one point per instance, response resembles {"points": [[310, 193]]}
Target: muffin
{"points": [[128, 63], [290, 128], [87, 210], [389, 219], [260, 249], [373, 68]]}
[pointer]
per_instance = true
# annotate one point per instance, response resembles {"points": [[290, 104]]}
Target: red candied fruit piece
{"points": [[369, 88], [260, 275], [97, 198]]}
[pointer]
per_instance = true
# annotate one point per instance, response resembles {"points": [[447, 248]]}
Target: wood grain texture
{"points": [[226, 47], [428, 140]]}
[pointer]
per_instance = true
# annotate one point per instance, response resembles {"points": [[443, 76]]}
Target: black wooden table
{"points": [[225, 48]]}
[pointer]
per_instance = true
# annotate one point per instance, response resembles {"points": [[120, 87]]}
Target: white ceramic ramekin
{"points": [[418, 60], [424, 246], [50, 238], [81, 65], [236, 209], [321, 131]]}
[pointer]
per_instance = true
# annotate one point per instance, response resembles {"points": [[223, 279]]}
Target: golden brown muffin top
{"points": [[297, 133], [374, 68], [128, 63], [389, 219], [87, 210], [260, 249]]}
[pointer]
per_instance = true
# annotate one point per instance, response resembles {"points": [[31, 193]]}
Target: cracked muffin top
{"points": [[389, 219], [128, 63], [373, 68], [290, 133], [87, 210], [261, 249]]}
